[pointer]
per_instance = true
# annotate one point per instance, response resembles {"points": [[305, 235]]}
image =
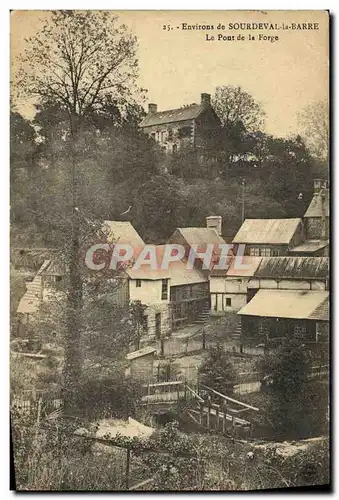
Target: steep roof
{"points": [[30, 301], [243, 266], [176, 271], [322, 311], [293, 267], [201, 235], [122, 232], [315, 207], [267, 231], [294, 304], [173, 115]]}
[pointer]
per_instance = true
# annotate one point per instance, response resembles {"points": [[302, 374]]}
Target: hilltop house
{"points": [[195, 125]]}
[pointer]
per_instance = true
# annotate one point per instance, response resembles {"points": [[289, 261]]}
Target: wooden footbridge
{"points": [[203, 405]]}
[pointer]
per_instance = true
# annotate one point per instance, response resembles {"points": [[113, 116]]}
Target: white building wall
{"points": [[149, 292], [236, 289]]}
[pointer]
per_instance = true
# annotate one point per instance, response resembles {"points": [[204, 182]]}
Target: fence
{"points": [[29, 400], [177, 346]]}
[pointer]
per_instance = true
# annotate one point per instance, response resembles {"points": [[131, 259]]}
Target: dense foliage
{"points": [[217, 370], [295, 406]]}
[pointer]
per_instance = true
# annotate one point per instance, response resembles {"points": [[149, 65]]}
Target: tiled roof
{"points": [[176, 271], [123, 232], [30, 301], [200, 235], [243, 266], [294, 304], [267, 231], [310, 246], [141, 352], [293, 267], [322, 311], [315, 207], [173, 115]]}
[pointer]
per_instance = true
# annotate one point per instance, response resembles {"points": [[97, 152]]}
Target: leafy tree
{"points": [[217, 370], [158, 209], [75, 61], [23, 155], [315, 124], [237, 109], [294, 405]]}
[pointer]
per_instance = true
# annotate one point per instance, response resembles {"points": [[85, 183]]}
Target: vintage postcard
{"points": [[169, 177]]}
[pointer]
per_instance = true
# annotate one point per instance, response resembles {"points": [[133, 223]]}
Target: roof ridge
{"points": [[177, 109]]}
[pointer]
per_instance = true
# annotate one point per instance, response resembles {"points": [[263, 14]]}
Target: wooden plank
{"points": [[164, 384], [143, 483], [195, 394], [231, 399]]}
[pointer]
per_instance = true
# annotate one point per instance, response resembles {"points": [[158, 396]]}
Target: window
{"points": [[254, 252], [190, 291], [275, 253], [138, 283], [58, 282], [164, 289], [145, 324], [162, 136], [263, 327], [265, 252], [184, 132], [228, 302], [299, 331]]}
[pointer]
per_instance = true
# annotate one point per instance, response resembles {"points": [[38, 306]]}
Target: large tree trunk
{"points": [[73, 351]]}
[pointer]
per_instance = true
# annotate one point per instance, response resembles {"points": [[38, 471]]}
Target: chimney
{"points": [[152, 108], [323, 214], [205, 99], [318, 185], [214, 222]]}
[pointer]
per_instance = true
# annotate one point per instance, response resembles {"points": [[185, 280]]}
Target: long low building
{"points": [[272, 314], [231, 289]]}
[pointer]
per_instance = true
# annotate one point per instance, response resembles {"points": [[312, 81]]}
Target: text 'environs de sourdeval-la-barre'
{"points": [[309, 26]]}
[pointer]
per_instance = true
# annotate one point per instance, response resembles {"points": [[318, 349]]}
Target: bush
{"points": [[217, 370]]}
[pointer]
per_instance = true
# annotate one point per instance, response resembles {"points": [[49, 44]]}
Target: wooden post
{"points": [[217, 418], [161, 347], [209, 413], [203, 339], [178, 392], [233, 426], [158, 373], [224, 408], [128, 458], [185, 389], [201, 413]]}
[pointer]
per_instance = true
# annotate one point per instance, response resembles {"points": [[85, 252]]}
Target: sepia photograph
{"points": [[170, 250]]}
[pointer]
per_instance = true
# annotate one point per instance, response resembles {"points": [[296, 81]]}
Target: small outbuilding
{"points": [[141, 363]]}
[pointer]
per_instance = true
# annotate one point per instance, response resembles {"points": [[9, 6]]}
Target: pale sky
{"points": [[176, 66]]}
